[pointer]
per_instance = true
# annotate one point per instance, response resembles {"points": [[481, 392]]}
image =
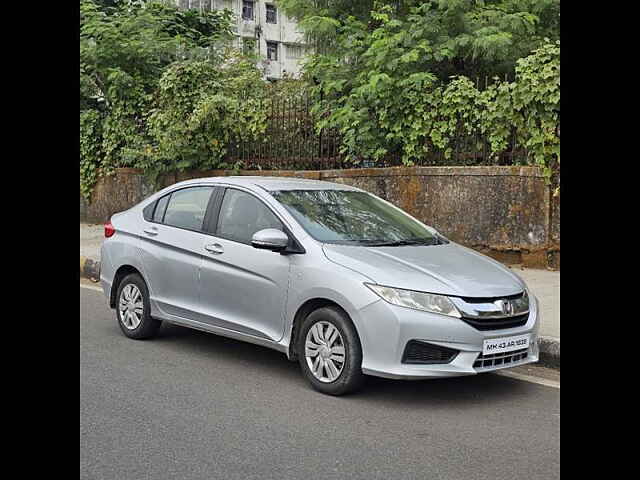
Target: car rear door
{"points": [[173, 251], [243, 288]]}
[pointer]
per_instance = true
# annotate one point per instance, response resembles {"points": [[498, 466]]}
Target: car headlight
{"points": [[521, 305], [427, 302]]}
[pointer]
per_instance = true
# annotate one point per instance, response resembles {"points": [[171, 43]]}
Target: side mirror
{"points": [[270, 239]]}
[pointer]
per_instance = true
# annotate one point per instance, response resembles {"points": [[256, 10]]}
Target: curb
{"points": [[90, 269], [549, 351], [549, 346]]}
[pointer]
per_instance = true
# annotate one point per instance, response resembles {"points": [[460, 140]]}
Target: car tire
{"points": [[319, 352], [134, 321]]}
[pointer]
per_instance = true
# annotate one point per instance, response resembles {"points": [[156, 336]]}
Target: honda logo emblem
{"points": [[506, 306]]}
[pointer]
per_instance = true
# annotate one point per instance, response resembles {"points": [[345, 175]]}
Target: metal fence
{"points": [[291, 142]]}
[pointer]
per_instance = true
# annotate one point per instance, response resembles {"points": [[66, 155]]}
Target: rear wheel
{"points": [[329, 352], [133, 309]]}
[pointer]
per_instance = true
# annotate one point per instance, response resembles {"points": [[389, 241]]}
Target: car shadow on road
{"points": [[263, 361]]}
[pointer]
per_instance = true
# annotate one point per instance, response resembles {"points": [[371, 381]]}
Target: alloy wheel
{"points": [[324, 351], [130, 306]]}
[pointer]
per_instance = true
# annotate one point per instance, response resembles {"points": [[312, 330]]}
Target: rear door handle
{"points": [[214, 248], [153, 231]]}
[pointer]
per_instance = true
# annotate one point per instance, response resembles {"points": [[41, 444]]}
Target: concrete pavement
{"points": [[545, 285], [190, 405], [91, 237]]}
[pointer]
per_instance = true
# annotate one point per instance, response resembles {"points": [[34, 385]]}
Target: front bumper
{"points": [[386, 329]]}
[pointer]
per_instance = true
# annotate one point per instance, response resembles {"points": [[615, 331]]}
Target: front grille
{"points": [[491, 299], [496, 323], [498, 359], [427, 353]]}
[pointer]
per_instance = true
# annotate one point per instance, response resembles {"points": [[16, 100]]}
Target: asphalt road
{"points": [[190, 405]]}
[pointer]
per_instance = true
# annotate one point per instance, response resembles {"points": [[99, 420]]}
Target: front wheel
{"points": [[330, 353]]}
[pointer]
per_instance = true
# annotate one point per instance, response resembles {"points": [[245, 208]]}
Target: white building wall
{"points": [[290, 41]]}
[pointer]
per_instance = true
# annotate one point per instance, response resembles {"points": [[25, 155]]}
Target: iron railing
{"points": [[291, 142]]}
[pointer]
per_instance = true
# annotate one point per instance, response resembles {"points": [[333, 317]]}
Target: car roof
{"points": [[274, 183]]}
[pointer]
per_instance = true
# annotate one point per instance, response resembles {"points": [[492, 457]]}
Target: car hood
{"points": [[449, 269]]}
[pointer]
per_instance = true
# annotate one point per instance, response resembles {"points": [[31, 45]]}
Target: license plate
{"points": [[505, 344]]}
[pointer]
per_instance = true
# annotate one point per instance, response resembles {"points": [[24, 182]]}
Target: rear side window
{"points": [[242, 215], [147, 213], [161, 206], [186, 208]]}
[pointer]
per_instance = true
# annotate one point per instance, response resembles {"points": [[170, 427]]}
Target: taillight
{"points": [[109, 230]]}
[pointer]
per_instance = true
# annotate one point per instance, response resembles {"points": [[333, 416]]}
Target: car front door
{"points": [[243, 288], [172, 251]]}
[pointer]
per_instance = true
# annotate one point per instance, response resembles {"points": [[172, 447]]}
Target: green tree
{"points": [[135, 41], [465, 37], [124, 50], [399, 77], [200, 109]]}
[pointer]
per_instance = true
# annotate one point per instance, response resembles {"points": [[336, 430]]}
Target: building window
{"points": [[272, 13], [272, 51], [247, 10], [203, 5], [249, 46], [295, 51]]}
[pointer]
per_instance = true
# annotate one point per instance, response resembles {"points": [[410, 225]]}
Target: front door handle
{"points": [[153, 231], [214, 248]]}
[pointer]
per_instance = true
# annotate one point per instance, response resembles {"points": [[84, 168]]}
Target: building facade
{"points": [[263, 28]]}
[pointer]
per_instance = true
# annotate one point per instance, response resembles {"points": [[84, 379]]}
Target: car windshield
{"points": [[349, 217]]}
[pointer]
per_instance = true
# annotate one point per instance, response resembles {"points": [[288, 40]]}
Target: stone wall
{"points": [[554, 235], [506, 212]]}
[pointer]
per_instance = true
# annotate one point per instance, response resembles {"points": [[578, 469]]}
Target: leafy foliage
{"points": [[133, 57], [91, 157], [199, 111], [462, 37], [396, 80], [161, 90], [535, 100]]}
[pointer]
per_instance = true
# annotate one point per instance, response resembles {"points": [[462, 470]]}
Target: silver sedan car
{"points": [[337, 279]]}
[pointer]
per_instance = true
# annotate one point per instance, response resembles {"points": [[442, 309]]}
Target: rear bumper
{"points": [[106, 287], [386, 329], [106, 272]]}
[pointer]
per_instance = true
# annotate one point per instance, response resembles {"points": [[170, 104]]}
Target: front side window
{"points": [[347, 217], [272, 51], [242, 215], [272, 14], [187, 207], [247, 10]]}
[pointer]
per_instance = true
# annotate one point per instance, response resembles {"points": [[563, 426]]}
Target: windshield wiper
{"points": [[401, 243]]}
